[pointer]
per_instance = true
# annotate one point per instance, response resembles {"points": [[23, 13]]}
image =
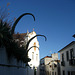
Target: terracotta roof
{"points": [[19, 36], [73, 42], [47, 57]]}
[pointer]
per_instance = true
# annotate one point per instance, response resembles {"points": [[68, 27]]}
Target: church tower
{"points": [[33, 54]]}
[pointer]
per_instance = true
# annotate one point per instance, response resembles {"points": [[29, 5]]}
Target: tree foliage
{"points": [[5, 36], [12, 47]]}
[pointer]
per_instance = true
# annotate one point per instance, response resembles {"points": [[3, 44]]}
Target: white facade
{"points": [[67, 59], [33, 53], [50, 65], [19, 68], [54, 66], [11, 68], [43, 65]]}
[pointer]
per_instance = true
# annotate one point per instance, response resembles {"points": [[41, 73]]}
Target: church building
{"points": [[33, 53]]}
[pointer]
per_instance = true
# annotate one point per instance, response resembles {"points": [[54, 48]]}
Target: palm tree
{"points": [[26, 48], [5, 36]]}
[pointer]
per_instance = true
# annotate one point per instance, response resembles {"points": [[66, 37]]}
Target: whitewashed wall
{"points": [[12, 67], [33, 63], [49, 61], [67, 67]]}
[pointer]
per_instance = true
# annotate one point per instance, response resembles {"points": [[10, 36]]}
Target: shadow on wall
{"points": [[32, 70], [12, 67]]}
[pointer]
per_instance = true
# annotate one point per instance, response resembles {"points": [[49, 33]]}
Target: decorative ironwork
{"points": [[63, 63]]}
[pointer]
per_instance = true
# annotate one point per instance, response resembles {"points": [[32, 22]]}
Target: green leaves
{"points": [[12, 47], [21, 53], [4, 33]]}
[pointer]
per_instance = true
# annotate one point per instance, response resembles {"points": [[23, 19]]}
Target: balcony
{"points": [[55, 65], [72, 62], [63, 63]]}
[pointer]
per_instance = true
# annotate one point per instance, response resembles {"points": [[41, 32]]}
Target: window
{"points": [[68, 72], [36, 57], [63, 72], [32, 55], [34, 45], [71, 53], [73, 73], [67, 55], [62, 57], [55, 73], [52, 73]]}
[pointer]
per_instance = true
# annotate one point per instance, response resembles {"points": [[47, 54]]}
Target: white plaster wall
{"points": [[3, 56], [67, 67], [6, 70], [33, 63], [55, 56], [47, 60], [47, 67], [55, 69]]}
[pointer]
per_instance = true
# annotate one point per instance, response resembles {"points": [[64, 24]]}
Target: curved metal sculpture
{"points": [[32, 39], [17, 20]]}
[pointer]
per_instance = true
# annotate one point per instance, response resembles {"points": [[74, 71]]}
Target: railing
{"points": [[63, 63], [55, 65], [72, 62]]}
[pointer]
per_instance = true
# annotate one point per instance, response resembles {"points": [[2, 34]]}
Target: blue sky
{"points": [[54, 18]]}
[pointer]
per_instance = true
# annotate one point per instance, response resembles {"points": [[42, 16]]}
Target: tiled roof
{"points": [[47, 57], [19, 36]]}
